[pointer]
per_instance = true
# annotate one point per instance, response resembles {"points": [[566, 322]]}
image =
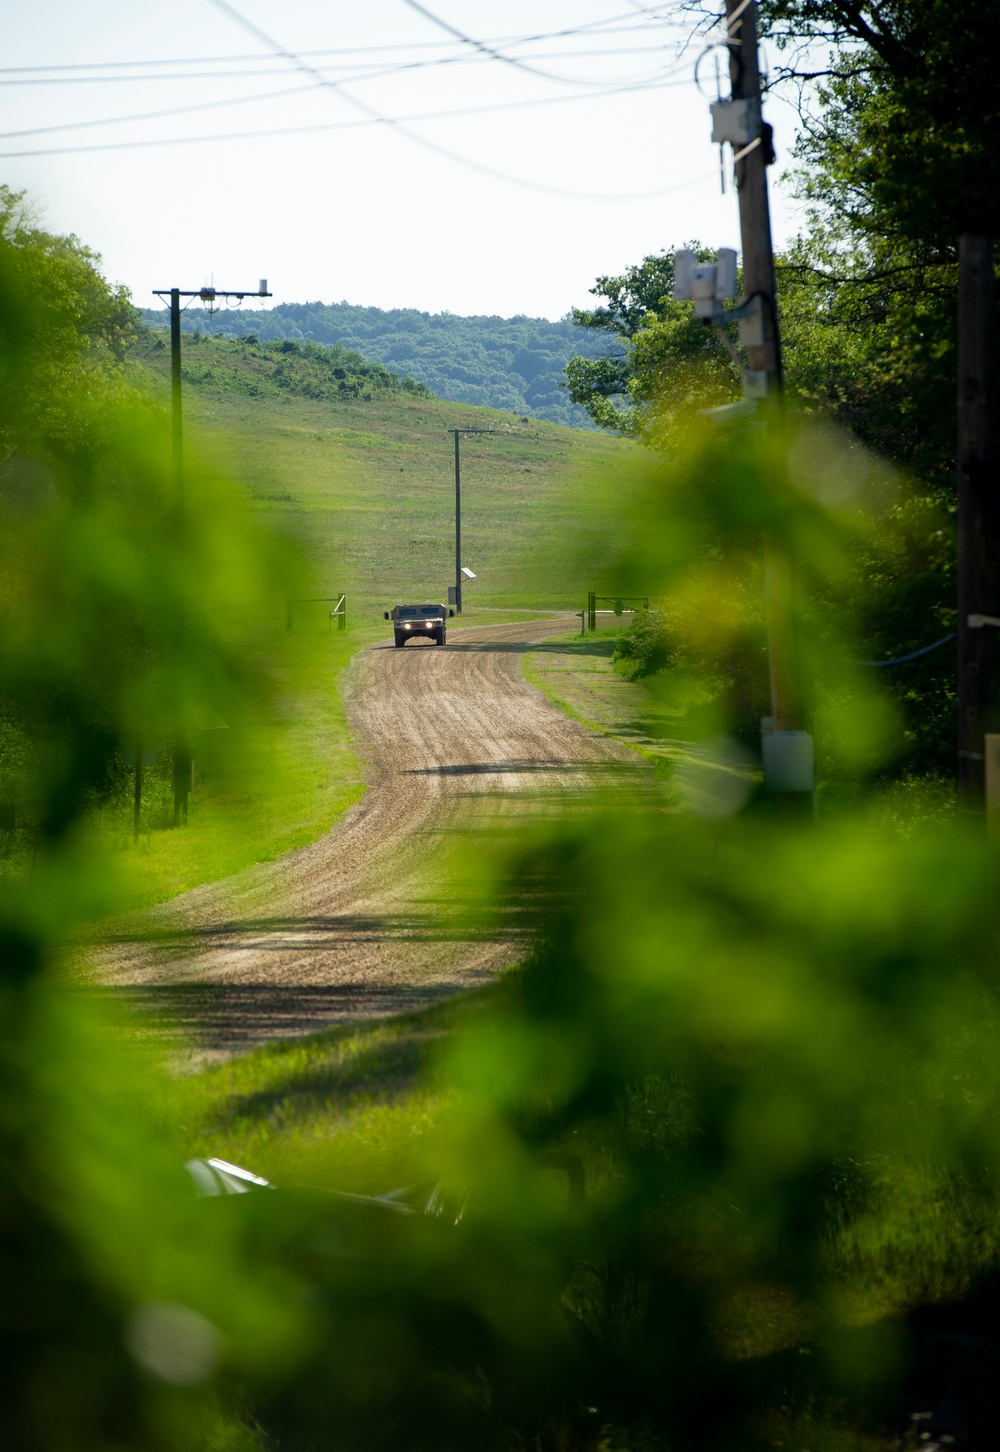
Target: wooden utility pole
{"points": [[457, 433], [176, 416], [978, 521], [458, 522], [751, 162], [183, 763]]}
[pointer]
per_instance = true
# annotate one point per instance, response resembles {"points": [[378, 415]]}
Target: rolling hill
{"points": [[516, 364], [359, 467]]}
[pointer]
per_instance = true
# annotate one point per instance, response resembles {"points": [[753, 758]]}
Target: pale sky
{"points": [[356, 209]]}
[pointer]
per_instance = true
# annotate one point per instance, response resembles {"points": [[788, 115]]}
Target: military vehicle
{"points": [[411, 620]]}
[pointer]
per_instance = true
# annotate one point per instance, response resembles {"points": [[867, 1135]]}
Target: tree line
{"points": [[895, 159]]}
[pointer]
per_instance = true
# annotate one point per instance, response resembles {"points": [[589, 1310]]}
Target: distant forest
{"points": [[516, 364]]}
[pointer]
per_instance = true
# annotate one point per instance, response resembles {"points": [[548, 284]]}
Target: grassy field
{"points": [[363, 480], [352, 1108], [367, 484], [258, 792]]}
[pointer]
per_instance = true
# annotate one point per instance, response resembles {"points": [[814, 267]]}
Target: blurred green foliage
{"points": [[867, 296], [740, 1103], [117, 619], [685, 1172]]}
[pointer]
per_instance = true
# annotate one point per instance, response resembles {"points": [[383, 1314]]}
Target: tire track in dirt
{"points": [[344, 929]]}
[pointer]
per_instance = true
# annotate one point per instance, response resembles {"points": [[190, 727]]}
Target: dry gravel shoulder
{"points": [[347, 928]]}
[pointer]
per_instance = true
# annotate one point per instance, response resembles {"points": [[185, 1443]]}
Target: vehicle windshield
{"points": [[418, 612]]}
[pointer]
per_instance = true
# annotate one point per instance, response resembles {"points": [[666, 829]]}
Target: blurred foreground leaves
{"points": [[117, 619], [740, 1102]]}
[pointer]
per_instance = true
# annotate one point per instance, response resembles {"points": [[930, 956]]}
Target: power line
{"points": [[361, 73], [608, 26], [619, 85], [395, 121], [485, 109], [158, 115], [484, 48], [414, 136]]}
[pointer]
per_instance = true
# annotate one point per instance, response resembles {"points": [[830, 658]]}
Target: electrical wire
{"points": [[484, 109], [608, 26], [913, 655], [404, 130], [484, 48], [362, 73], [158, 115], [393, 121], [620, 83], [320, 80]]}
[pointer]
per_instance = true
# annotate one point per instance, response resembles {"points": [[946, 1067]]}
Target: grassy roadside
{"points": [[575, 673], [259, 791], [350, 1108]]}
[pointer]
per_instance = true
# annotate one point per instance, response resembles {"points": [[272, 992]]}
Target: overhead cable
{"points": [[486, 49], [158, 115], [374, 115], [361, 73], [484, 109], [913, 655], [322, 126], [609, 25]]}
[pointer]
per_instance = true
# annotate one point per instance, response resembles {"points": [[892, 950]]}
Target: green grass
{"points": [[258, 792], [576, 674], [351, 1108], [368, 484], [359, 471]]}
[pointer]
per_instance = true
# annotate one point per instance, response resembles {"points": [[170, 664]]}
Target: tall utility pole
{"points": [[458, 521], [176, 417], [751, 161], [458, 510], [183, 757], [978, 521]]}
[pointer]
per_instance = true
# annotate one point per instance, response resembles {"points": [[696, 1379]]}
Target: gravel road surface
{"points": [[347, 927]]}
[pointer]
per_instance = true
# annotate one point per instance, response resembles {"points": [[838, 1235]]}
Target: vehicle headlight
{"points": [[406, 626], [429, 623]]}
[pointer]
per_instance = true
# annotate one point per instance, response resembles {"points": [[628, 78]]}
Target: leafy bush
{"points": [[642, 649]]}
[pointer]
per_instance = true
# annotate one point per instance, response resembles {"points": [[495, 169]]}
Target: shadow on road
{"points": [[313, 932], [240, 1016], [523, 765]]}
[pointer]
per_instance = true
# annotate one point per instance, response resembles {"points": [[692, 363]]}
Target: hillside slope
{"points": [[364, 476], [517, 364]]}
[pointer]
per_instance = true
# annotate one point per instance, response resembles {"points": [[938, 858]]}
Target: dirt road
{"points": [[347, 928]]}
